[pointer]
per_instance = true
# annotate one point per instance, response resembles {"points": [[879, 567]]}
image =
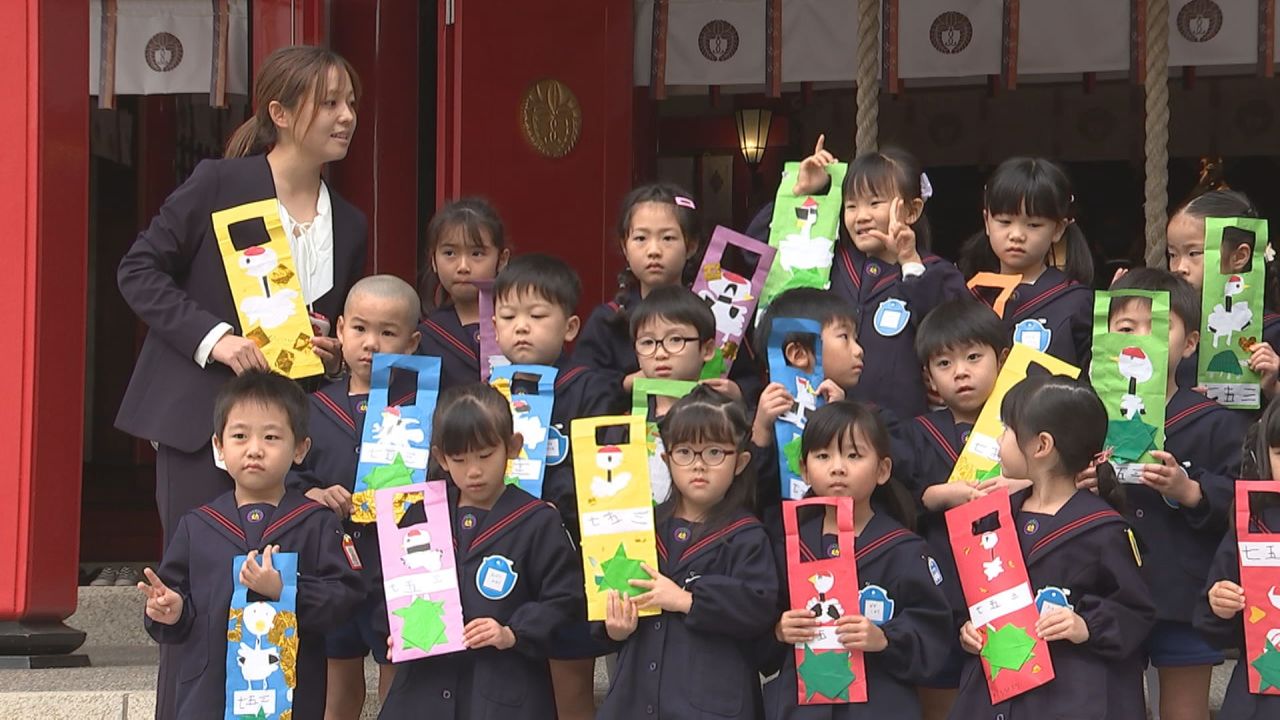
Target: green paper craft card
{"points": [[804, 230], [642, 390], [1130, 372], [1231, 319]]}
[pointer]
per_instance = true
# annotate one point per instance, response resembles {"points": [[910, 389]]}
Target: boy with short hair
{"points": [[674, 332], [534, 302], [962, 346], [380, 316], [841, 369], [260, 423], [1180, 509]]}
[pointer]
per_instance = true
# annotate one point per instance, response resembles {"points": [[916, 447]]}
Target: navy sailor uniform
{"points": [[1055, 312], [442, 335]]}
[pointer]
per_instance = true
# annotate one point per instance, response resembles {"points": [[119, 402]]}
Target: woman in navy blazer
{"points": [[173, 275]]}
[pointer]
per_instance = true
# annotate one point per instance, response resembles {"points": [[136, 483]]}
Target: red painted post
{"points": [[44, 200]]}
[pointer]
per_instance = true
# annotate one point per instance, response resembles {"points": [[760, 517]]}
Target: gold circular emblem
{"points": [[550, 118]]}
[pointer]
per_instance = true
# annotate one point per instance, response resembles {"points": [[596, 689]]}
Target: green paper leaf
{"points": [[985, 475], [393, 475], [1008, 648], [1129, 440], [262, 715], [714, 367], [423, 624], [826, 673], [791, 451], [619, 571], [1226, 363], [1268, 666]]}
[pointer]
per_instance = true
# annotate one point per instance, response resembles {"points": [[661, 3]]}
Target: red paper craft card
{"points": [[1260, 578], [826, 673], [997, 590]]}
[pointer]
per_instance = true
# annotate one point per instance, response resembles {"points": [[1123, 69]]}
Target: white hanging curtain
{"points": [[168, 46], [1079, 36], [819, 40], [956, 38]]}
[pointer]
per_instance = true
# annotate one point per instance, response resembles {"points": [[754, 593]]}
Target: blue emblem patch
{"points": [[1033, 334], [1050, 597], [496, 577], [891, 317], [935, 571], [557, 446], [875, 604]]}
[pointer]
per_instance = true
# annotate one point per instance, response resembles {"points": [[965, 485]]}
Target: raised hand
{"points": [[813, 174], [163, 604]]}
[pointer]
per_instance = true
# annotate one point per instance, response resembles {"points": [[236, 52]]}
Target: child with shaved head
{"points": [[380, 316]]}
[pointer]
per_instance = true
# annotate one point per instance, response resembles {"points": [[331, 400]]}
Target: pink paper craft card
{"points": [[732, 291], [419, 571]]}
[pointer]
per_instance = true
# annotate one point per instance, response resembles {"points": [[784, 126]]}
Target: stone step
{"points": [[110, 616]]}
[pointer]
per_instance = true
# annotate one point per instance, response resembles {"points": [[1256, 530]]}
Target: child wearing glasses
{"points": [[674, 334], [716, 583]]}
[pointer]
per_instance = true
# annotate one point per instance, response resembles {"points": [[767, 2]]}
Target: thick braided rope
{"points": [[1156, 92], [868, 118]]}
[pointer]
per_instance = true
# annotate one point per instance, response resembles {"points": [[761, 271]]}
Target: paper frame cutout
{"points": [[266, 291], [1005, 283], [804, 231], [419, 572], [733, 300], [641, 390], [1223, 368], [491, 356], [273, 659], [1259, 555], [395, 445], [615, 514], [531, 417], [804, 388], [981, 452], [1135, 399], [836, 576], [997, 588]]}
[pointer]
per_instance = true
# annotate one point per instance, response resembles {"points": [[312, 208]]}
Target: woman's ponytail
{"points": [[252, 137]]}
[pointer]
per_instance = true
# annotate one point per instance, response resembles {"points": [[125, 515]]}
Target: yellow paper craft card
{"points": [[615, 510], [982, 451], [265, 287]]}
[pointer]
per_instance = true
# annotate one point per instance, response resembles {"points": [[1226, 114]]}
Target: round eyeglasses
{"points": [[673, 344], [711, 457]]}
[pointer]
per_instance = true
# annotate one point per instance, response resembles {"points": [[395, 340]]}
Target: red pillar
{"points": [[44, 202]]}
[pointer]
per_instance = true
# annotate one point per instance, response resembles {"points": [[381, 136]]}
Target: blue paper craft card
{"points": [[803, 386], [262, 646], [531, 416]]}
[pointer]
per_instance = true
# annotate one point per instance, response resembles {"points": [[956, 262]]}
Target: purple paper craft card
{"points": [[419, 571], [490, 354], [731, 295]]}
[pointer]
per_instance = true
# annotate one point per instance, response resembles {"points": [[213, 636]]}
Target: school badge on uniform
{"points": [[1033, 334], [875, 604], [557, 445], [891, 317], [1050, 597], [496, 577]]}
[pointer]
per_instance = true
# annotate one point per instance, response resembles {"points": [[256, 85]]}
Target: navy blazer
{"points": [[512, 684], [174, 279], [1239, 703], [919, 629], [197, 565], [1083, 550], [893, 376]]}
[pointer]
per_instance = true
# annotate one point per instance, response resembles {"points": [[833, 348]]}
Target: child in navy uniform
{"points": [[845, 452], [1184, 253], [534, 301], [465, 242], [261, 429], [673, 335], [1074, 542], [716, 582], [1181, 508], [659, 232], [880, 269], [380, 316], [1030, 232], [962, 346], [1218, 610], [515, 543]]}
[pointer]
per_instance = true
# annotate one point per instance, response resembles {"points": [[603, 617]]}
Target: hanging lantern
{"points": [[753, 133]]}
